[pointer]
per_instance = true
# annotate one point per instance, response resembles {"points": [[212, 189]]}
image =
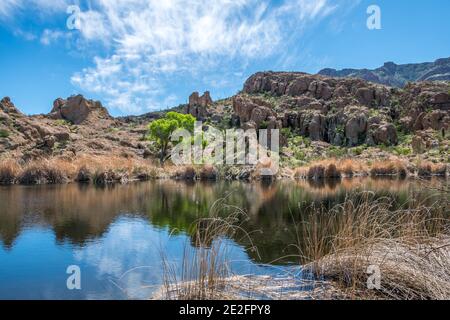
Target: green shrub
{"points": [[402, 151], [4, 133]]}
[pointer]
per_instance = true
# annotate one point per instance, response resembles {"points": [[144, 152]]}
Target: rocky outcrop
{"points": [[198, 105], [395, 75], [337, 111], [7, 107], [425, 106], [78, 110]]}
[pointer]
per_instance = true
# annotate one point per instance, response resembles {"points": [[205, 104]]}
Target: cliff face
{"points": [[341, 111], [395, 75]]}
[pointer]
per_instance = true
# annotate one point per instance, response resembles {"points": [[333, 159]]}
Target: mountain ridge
{"points": [[396, 75]]}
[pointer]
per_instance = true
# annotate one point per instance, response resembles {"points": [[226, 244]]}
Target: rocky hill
{"points": [[320, 117], [395, 75], [341, 111], [75, 126]]}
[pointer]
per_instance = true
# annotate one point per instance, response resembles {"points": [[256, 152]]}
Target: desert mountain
{"points": [[395, 75]]}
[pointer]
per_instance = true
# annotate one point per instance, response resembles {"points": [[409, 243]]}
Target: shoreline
{"points": [[60, 172]]}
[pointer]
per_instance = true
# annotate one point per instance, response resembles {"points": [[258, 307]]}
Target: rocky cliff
{"points": [[341, 111], [395, 75]]}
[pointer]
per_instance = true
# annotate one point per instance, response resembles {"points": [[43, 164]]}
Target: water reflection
{"points": [[110, 231]]}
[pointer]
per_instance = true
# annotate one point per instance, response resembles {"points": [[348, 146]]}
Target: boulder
{"points": [[355, 128], [78, 110], [385, 133]]}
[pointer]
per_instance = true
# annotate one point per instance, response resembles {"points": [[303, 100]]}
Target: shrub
{"points": [[4, 133], [388, 168], [316, 172], [42, 173], [8, 172], [332, 172], [208, 172]]}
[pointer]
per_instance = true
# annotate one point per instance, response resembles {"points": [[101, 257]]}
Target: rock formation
{"points": [[342, 111], [198, 105], [77, 109]]}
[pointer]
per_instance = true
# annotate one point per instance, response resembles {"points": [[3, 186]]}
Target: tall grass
{"points": [[84, 168], [9, 171], [205, 270], [411, 246]]}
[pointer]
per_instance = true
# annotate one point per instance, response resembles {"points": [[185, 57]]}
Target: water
{"points": [[119, 235]]}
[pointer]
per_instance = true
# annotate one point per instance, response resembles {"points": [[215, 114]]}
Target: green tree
{"points": [[160, 131]]}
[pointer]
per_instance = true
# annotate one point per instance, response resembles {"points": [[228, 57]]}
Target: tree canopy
{"points": [[160, 130]]}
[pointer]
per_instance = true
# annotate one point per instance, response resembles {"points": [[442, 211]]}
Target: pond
{"points": [[119, 235]]}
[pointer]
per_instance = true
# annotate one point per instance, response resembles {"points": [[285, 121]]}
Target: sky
{"points": [[138, 56]]}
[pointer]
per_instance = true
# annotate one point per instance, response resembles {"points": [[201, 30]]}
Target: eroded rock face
{"points": [[324, 109], [252, 109], [7, 107], [78, 110], [343, 111], [198, 105]]}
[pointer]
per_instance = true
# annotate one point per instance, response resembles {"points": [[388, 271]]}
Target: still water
{"points": [[119, 235]]}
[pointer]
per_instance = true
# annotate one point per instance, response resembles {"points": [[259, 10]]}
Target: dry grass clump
{"points": [[9, 170], [351, 167], [300, 173], [316, 172], [204, 269], [83, 168], [428, 169], [43, 172], [331, 169], [410, 246], [208, 172], [388, 168], [186, 173]]}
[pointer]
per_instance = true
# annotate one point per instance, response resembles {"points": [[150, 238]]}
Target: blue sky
{"points": [[142, 55]]}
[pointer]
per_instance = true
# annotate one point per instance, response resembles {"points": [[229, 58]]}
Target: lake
{"points": [[119, 235]]}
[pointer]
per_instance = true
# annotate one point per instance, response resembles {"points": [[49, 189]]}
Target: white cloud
{"points": [[149, 45], [153, 43], [49, 36], [10, 7]]}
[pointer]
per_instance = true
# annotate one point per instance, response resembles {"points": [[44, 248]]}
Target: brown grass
{"points": [[205, 266], [9, 170], [43, 172], [388, 168], [331, 169], [84, 168], [208, 172], [411, 246], [428, 169]]}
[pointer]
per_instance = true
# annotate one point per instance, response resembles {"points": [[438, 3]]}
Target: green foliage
{"points": [[336, 152], [62, 122], [160, 131], [358, 150], [402, 151], [264, 125], [340, 129], [4, 133], [286, 132]]}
